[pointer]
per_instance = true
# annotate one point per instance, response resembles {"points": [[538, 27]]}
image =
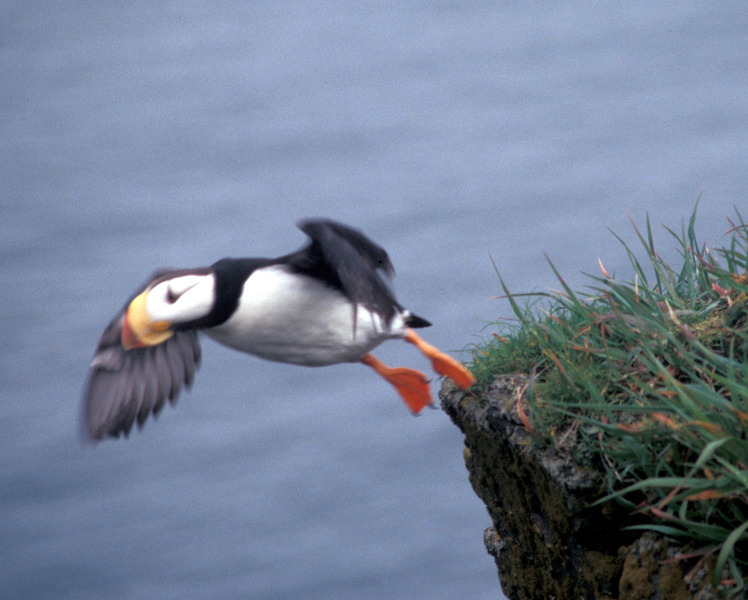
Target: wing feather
{"points": [[126, 386], [350, 261]]}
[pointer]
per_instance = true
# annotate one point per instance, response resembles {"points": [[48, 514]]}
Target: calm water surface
{"points": [[137, 136]]}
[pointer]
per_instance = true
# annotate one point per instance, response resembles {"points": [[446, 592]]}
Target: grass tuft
{"points": [[648, 380]]}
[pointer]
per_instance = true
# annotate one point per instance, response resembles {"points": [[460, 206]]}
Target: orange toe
{"points": [[447, 366], [442, 363], [413, 386]]}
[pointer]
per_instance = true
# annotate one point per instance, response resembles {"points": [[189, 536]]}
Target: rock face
{"points": [[547, 540]]}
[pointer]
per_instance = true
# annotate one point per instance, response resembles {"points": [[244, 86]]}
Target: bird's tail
{"points": [[416, 322]]}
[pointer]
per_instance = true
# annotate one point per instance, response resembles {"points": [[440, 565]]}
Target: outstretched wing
{"points": [[348, 260], [125, 386]]}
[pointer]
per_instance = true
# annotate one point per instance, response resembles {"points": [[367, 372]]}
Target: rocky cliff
{"points": [[548, 538]]}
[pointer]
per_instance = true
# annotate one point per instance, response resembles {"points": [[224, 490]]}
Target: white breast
{"points": [[293, 318]]}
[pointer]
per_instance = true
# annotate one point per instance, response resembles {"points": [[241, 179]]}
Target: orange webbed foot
{"points": [[442, 363], [413, 386]]}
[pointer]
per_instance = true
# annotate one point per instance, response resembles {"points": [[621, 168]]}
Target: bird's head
{"points": [[168, 302]]}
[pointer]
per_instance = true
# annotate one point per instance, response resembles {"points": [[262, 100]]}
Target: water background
{"points": [[139, 135]]}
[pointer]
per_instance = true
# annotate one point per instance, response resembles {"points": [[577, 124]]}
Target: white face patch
{"points": [[181, 299]]}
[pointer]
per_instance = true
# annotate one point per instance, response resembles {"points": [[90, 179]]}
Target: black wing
{"points": [[348, 260], [125, 386]]}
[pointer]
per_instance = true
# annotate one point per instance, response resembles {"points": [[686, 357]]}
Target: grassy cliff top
{"points": [[647, 380]]}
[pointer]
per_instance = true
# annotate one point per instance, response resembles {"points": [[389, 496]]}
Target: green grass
{"points": [[648, 381]]}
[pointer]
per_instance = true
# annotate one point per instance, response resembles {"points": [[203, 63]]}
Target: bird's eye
{"points": [[171, 297]]}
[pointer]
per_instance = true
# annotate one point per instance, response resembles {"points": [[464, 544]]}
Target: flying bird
{"points": [[322, 305]]}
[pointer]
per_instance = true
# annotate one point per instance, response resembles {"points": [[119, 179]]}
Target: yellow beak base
{"points": [[138, 330]]}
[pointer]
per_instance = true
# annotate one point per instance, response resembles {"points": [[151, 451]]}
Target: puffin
{"points": [[324, 304]]}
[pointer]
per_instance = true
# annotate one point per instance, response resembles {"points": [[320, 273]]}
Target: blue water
{"points": [[136, 136]]}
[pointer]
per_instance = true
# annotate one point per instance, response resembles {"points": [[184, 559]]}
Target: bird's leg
{"points": [[442, 363], [412, 385]]}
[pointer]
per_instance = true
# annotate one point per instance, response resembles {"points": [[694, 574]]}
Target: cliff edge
{"points": [[548, 537]]}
